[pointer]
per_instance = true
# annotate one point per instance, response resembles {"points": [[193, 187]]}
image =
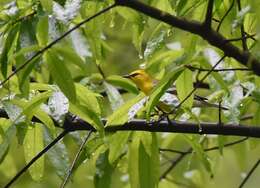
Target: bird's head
{"points": [[142, 80]]}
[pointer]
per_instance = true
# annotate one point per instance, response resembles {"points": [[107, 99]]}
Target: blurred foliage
{"points": [[82, 75]]}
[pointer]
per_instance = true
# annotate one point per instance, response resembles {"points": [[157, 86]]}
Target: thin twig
{"points": [[34, 159], [101, 72], [223, 18], [217, 70], [213, 37], [246, 117], [247, 36], [75, 159], [208, 18], [55, 42], [24, 18], [242, 30], [249, 173], [174, 163], [194, 89], [206, 149]]}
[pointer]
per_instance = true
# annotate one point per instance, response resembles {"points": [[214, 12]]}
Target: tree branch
{"points": [[176, 127], [75, 159], [242, 29], [223, 18], [174, 163], [249, 173], [163, 126], [192, 68], [24, 169], [213, 37], [246, 36], [40, 52], [194, 89], [208, 18], [206, 149]]}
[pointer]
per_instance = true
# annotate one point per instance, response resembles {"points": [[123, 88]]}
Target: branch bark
{"points": [[163, 126], [210, 35], [175, 127], [208, 18]]}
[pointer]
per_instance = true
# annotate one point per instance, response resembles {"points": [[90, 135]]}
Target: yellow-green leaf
{"points": [[121, 115], [184, 85], [61, 75], [33, 144]]}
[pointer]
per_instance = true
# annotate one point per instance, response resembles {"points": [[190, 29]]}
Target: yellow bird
{"points": [[143, 80], [146, 83]]}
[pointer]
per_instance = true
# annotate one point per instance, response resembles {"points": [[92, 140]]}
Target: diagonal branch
{"points": [[206, 149], [213, 37], [225, 15], [40, 52], [75, 160], [174, 163], [194, 89], [249, 173], [242, 29], [192, 68], [34, 159], [208, 18]]}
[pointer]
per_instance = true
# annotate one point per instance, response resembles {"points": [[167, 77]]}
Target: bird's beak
{"points": [[126, 76]]}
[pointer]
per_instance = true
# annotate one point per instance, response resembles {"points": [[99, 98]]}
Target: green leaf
{"points": [[256, 118], [144, 160], [196, 146], [164, 5], [114, 96], [160, 89], [149, 161], [87, 153], [88, 98], [121, 115], [138, 34], [93, 30], [61, 75], [162, 59], [19, 58], [7, 47], [184, 85], [221, 142], [129, 14], [87, 107], [45, 119], [36, 101], [133, 158], [47, 5], [117, 143], [25, 50], [58, 155], [123, 83], [104, 170], [156, 42], [88, 115], [180, 6], [71, 56], [33, 144], [7, 139], [42, 31]]}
